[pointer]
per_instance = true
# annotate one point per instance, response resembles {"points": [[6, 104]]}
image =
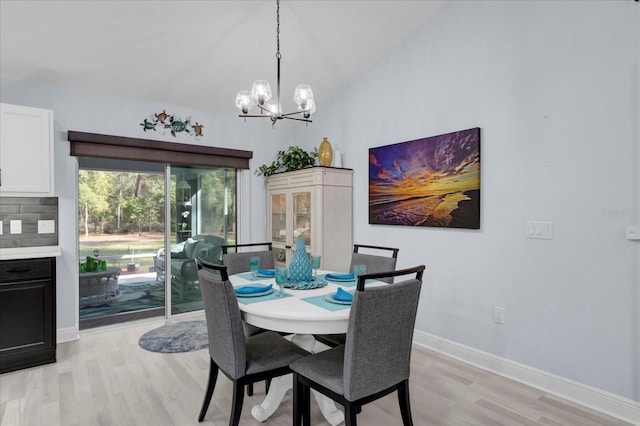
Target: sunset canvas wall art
{"points": [[433, 182]]}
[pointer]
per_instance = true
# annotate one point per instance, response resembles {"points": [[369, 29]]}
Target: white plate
{"points": [[329, 298], [265, 276], [339, 280], [262, 293]]}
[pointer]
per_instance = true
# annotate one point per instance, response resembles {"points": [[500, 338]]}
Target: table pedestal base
{"points": [[280, 386]]}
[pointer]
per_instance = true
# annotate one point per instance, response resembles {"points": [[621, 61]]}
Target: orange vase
{"points": [[325, 153]]}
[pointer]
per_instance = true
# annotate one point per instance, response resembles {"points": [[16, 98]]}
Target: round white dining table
{"points": [[293, 314]]}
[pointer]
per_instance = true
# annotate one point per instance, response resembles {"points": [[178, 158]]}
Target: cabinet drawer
{"points": [[25, 269]]}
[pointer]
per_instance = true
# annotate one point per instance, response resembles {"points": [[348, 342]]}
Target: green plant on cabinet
{"points": [[294, 158]]}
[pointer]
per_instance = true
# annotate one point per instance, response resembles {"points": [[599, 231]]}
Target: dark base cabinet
{"points": [[27, 313]]}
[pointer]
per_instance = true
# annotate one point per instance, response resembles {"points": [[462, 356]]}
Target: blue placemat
{"points": [[321, 302], [272, 296], [247, 276]]}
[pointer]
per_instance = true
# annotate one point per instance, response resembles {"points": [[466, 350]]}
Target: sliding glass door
{"points": [[121, 229], [141, 226], [203, 218]]}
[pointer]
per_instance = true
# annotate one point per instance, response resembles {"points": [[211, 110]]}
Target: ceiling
{"points": [[200, 53]]}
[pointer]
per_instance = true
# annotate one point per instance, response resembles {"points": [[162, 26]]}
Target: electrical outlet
{"points": [[632, 232], [15, 226], [46, 227], [498, 314]]}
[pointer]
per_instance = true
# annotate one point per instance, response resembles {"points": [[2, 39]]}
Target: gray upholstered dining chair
{"points": [[236, 259], [244, 360], [375, 358], [374, 263]]}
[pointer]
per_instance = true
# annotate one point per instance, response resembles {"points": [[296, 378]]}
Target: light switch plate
{"points": [[539, 230], [15, 227], [46, 227]]}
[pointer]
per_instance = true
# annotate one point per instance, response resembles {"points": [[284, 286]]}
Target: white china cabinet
{"points": [[315, 204]]}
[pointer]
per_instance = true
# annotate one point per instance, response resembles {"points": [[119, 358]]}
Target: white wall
{"points": [[121, 117], [553, 86]]}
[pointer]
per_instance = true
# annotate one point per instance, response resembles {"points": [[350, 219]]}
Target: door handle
{"points": [[19, 270]]}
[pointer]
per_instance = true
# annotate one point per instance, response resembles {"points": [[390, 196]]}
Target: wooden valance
{"points": [[123, 148]]}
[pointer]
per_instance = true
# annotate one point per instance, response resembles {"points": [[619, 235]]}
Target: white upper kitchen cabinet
{"points": [[26, 151]]}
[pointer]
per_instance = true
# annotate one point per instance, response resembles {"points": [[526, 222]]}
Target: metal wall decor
{"points": [[163, 122]]}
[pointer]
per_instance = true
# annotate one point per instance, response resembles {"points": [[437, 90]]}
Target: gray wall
{"points": [[554, 88]]}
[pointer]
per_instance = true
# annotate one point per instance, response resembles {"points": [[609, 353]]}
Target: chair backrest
{"points": [[224, 321], [380, 333], [238, 261], [394, 251], [375, 262]]}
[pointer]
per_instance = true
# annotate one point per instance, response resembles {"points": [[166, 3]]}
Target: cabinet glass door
{"points": [[302, 216], [279, 227], [279, 218]]}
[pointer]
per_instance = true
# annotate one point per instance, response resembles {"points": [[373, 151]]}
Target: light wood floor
{"points": [[105, 378]]}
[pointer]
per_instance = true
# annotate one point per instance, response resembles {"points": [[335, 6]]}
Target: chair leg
{"points": [[306, 407], [350, 413], [238, 398], [213, 377], [405, 405], [297, 401], [301, 403], [267, 383]]}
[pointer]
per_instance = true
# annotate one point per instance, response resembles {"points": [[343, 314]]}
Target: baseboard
{"points": [[68, 334], [596, 399]]}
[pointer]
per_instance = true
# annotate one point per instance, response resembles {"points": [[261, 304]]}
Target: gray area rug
{"points": [[179, 337]]}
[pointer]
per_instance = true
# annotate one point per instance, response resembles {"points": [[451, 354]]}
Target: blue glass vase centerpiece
{"points": [[300, 266]]}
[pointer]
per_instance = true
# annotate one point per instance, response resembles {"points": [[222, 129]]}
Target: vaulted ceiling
{"points": [[200, 53]]}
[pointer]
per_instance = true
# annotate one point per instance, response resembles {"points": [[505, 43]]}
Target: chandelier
{"points": [[260, 94]]}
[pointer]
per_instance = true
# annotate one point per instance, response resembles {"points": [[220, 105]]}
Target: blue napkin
{"points": [[250, 289], [340, 276], [343, 296], [269, 272]]}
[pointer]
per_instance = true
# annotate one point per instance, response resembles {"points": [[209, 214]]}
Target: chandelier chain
{"points": [[278, 29]]}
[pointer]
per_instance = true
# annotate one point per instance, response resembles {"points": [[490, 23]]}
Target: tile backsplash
{"points": [[28, 222]]}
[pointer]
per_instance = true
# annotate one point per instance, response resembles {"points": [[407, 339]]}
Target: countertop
{"points": [[29, 252]]}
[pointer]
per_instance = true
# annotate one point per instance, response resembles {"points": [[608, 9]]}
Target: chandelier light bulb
{"points": [[302, 93], [261, 91], [273, 107], [307, 108], [244, 101]]}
